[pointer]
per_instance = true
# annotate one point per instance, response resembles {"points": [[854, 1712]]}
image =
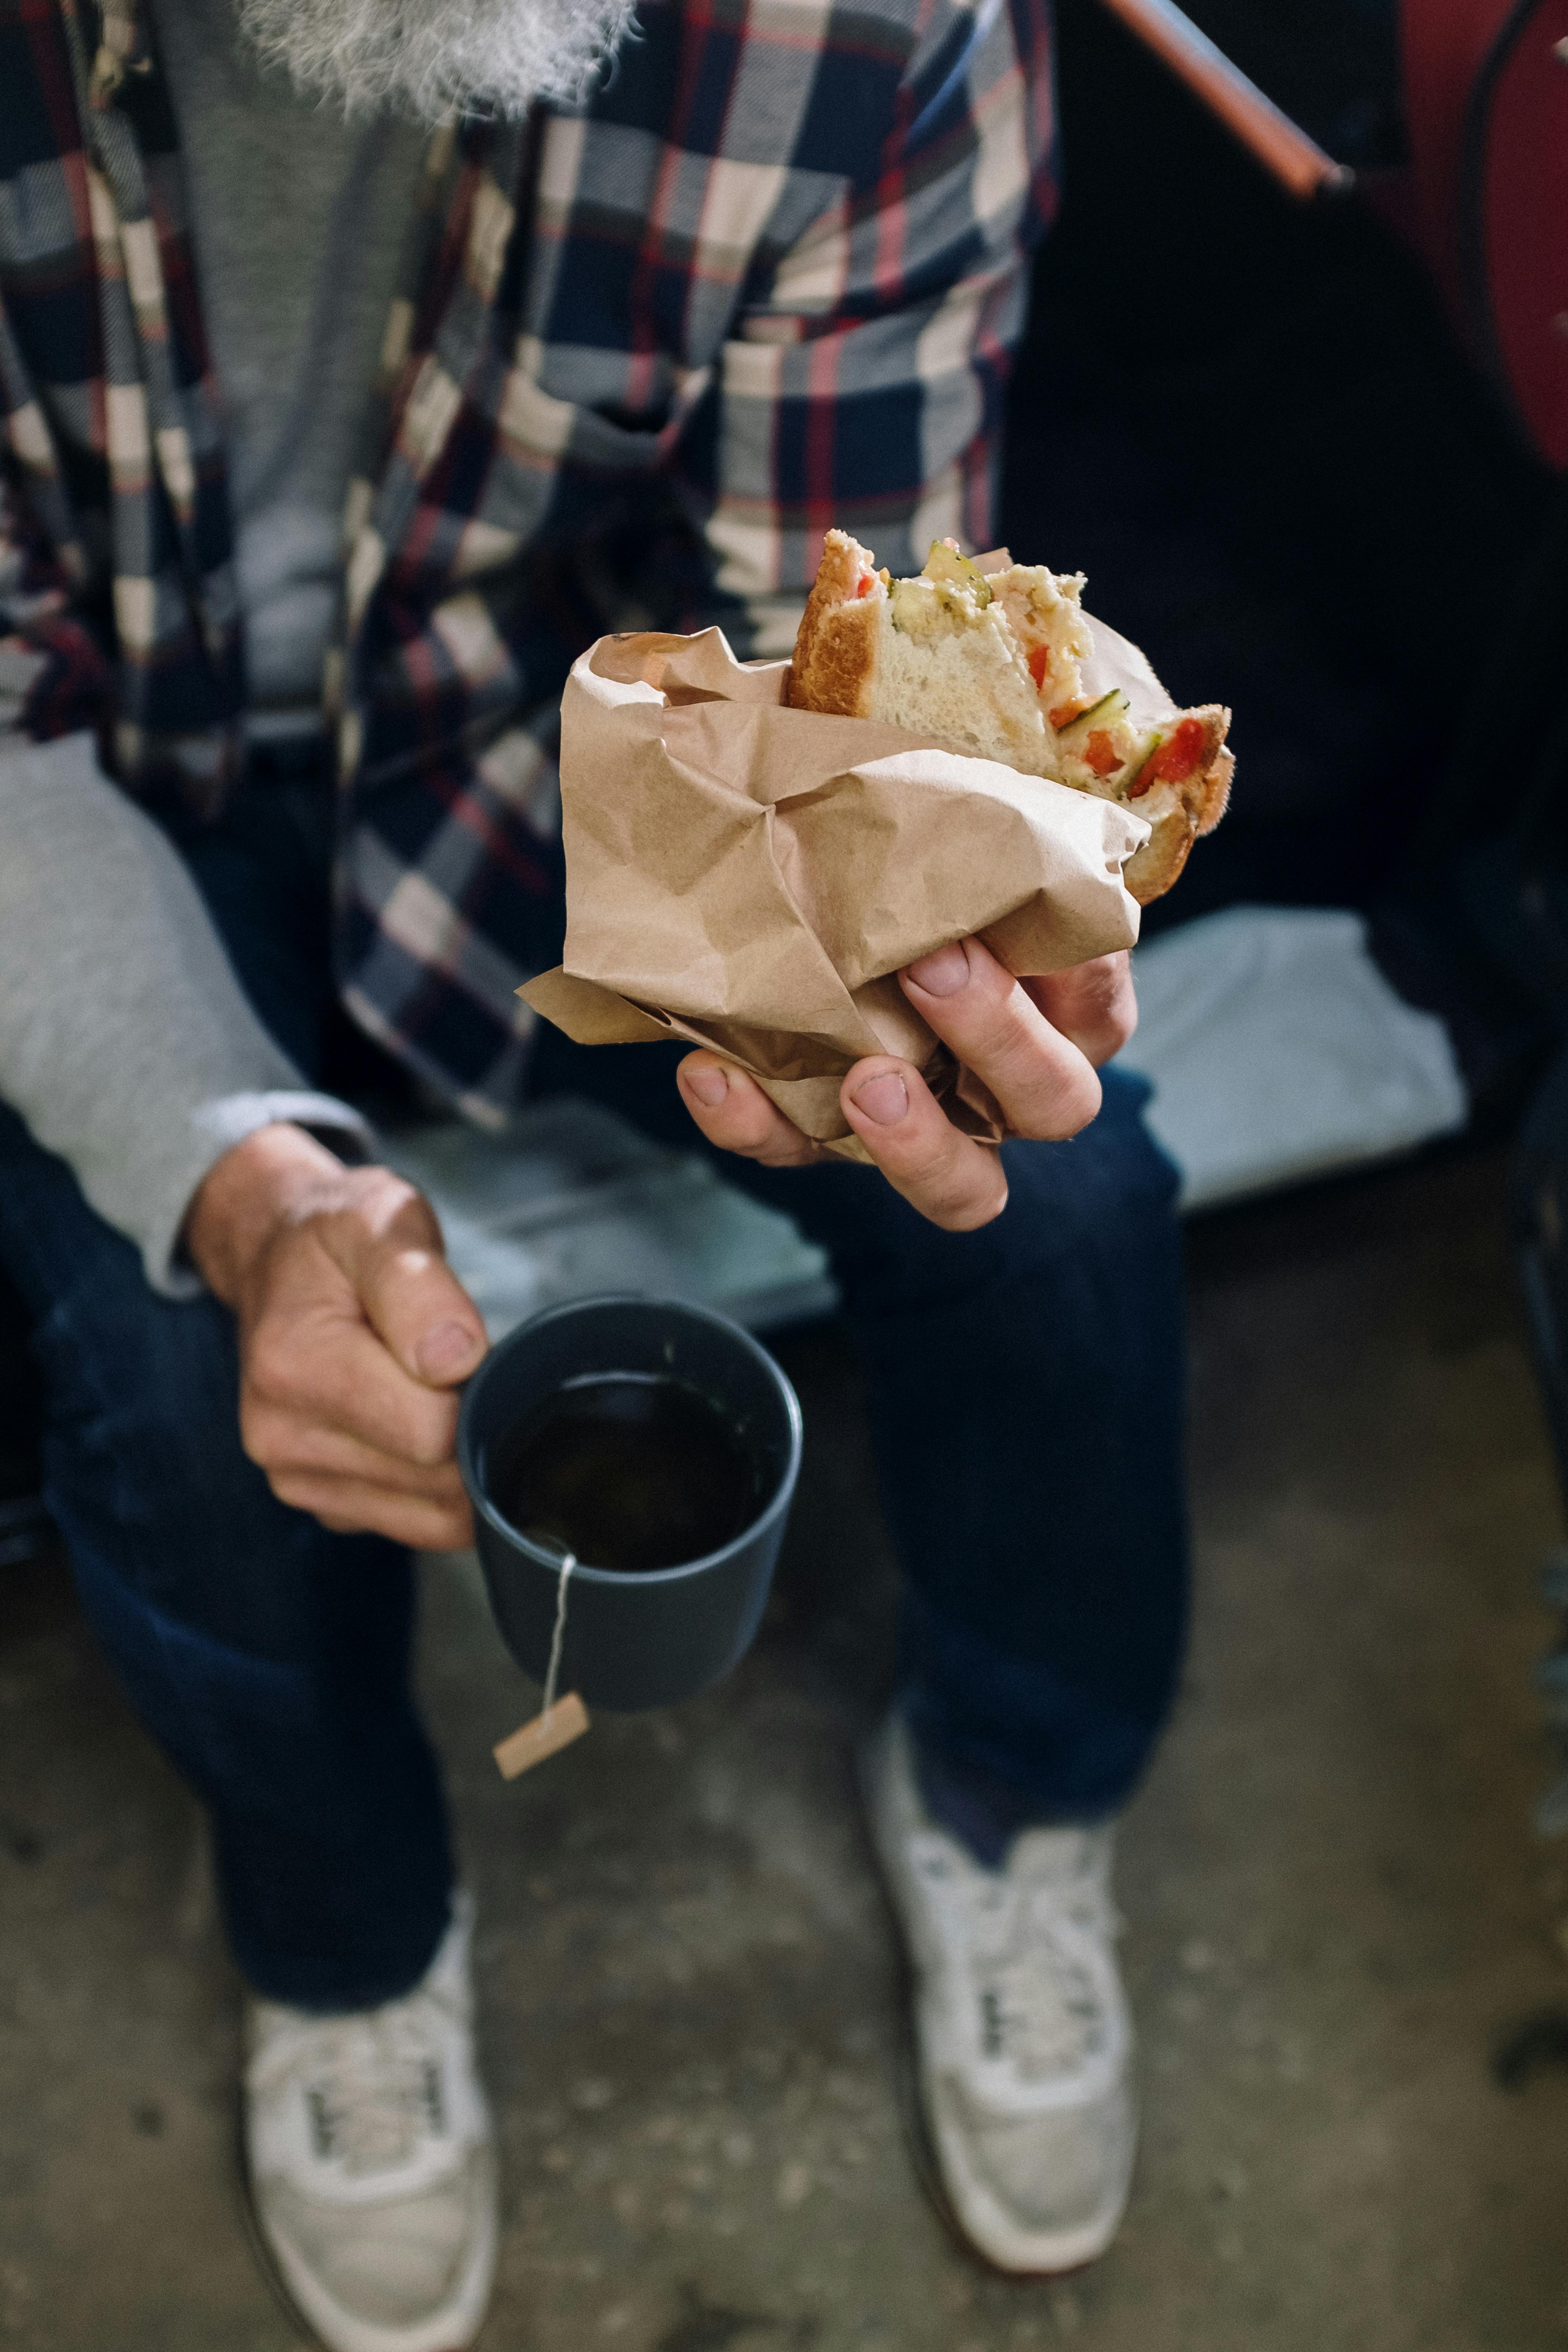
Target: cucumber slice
{"points": [[1142, 779], [1110, 705], [954, 570], [902, 607]]}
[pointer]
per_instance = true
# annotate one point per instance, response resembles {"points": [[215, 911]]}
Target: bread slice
{"points": [[998, 659]]}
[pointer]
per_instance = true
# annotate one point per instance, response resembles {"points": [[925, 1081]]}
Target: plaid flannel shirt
{"points": [[767, 279]]}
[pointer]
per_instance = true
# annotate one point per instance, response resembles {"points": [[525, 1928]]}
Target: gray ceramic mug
{"points": [[649, 1639]]}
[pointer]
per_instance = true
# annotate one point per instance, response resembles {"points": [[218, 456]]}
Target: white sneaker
{"points": [[1023, 2037], [372, 2162]]}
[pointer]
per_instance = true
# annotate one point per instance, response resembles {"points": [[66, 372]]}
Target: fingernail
{"points": [[942, 973], [446, 1349], [708, 1085], [886, 1099]]}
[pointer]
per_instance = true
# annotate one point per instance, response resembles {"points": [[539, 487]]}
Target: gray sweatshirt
{"points": [[125, 1042]]}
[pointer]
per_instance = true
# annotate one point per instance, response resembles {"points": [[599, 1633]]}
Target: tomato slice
{"points": [[868, 582], [1176, 760], [1101, 753], [1172, 762], [1040, 666], [1065, 712]]}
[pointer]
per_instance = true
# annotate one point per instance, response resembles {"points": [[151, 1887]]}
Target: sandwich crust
{"points": [[833, 663], [1216, 785], [1151, 870]]}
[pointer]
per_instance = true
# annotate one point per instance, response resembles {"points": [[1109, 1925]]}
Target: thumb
{"points": [[411, 1299]]}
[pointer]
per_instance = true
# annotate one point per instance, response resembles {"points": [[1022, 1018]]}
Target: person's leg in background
{"points": [[1026, 1385], [270, 1660]]}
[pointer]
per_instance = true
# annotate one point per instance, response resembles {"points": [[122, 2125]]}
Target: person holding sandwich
{"points": [[361, 360]]}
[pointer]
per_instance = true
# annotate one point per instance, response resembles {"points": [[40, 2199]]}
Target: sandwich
{"points": [[999, 660]]}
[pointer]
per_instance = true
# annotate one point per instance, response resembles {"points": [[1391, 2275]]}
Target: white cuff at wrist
{"points": [[216, 1126], [231, 1118]]}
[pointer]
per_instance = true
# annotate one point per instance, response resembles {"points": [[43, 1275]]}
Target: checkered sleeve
{"points": [[53, 672], [861, 382], [51, 668], [21, 663]]}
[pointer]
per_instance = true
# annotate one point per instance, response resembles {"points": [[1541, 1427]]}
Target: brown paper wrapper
{"points": [[752, 879]]}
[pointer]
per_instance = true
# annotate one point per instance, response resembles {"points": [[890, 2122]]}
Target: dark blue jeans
{"points": [[1025, 1387]]}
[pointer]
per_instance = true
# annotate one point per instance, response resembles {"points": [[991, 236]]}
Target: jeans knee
{"points": [[155, 1379], [1112, 1186], [144, 1470]]}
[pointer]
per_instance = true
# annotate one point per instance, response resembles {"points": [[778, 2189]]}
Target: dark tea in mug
{"points": [[629, 1471], [659, 1444]]}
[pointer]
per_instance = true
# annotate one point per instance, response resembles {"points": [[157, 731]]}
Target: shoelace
{"points": [[371, 2089], [1033, 1945]]}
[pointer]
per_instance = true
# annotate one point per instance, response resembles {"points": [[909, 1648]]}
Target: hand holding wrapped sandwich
{"points": [[1036, 1044], [945, 784]]}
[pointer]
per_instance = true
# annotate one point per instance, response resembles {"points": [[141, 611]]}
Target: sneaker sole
{"points": [[262, 2248]]}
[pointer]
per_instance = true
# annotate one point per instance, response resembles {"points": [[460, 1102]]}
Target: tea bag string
{"points": [[558, 1723], [568, 1562]]}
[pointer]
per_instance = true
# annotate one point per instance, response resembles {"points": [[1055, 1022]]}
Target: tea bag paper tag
{"points": [[559, 1721], [556, 1727]]}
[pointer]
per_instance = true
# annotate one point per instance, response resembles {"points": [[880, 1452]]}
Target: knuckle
{"points": [[939, 1175], [392, 1211], [991, 985], [1010, 1039], [1082, 1099], [260, 1434], [298, 1493], [428, 1443], [756, 1124], [754, 1130], [748, 1139], [977, 1207], [1065, 1110], [954, 1182], [270, 1364], [336, 1400], [389, 1192], [986, 1018]]}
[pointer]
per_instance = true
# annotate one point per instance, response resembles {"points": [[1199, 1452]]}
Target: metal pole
{"points": [[1281, 146]]}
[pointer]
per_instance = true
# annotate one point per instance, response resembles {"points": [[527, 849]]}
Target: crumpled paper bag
{"points": [[750, 878]]}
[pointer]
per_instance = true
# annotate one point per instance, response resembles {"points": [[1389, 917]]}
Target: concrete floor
{"points": [[1336, 1909]]}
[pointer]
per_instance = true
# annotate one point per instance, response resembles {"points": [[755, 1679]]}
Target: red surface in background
{"points": [[1524, 227], [1443, 46], [1511, 320]]}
